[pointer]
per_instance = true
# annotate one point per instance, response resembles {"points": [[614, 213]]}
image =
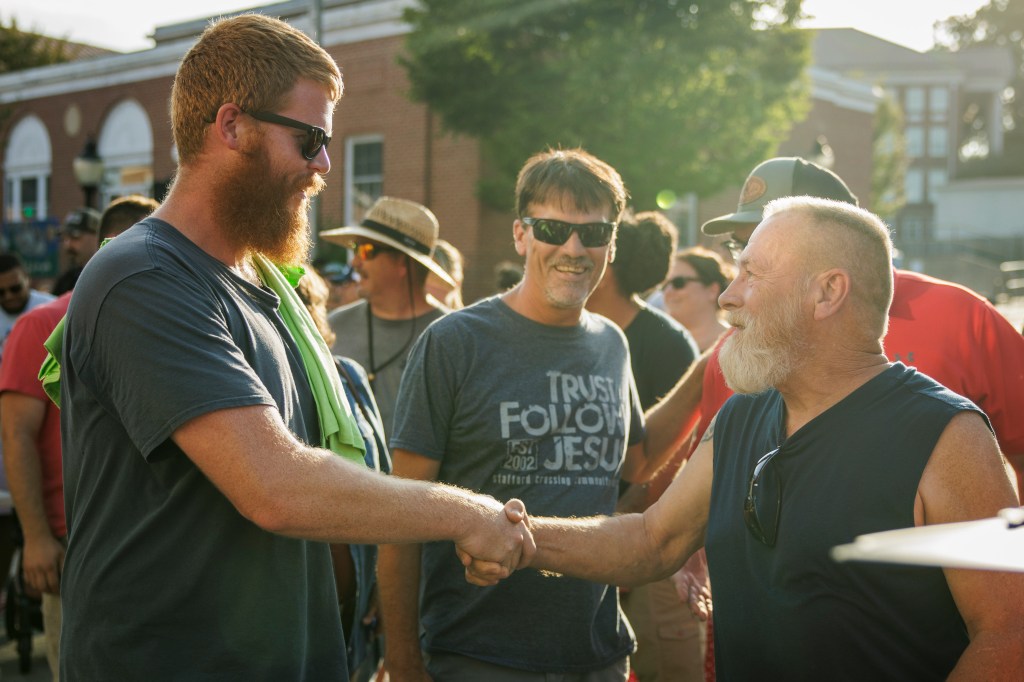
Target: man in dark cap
{"points": [[80, 235]]}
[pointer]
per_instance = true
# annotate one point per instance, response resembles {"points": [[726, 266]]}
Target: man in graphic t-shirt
{"points": [[523, 395]]}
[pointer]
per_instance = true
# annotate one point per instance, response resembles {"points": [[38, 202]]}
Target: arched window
{"points": [[126, 147], [27, 167]]}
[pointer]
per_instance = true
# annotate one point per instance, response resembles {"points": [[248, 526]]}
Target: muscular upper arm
{"points": [[247, 452], [678, 520], [965, 479]]}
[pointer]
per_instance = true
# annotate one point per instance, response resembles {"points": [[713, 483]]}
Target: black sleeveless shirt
{"points": [[789, 612]]}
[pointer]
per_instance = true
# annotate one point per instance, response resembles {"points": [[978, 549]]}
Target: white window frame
{"points": [[126, 146], [351, 181], [938, 141], [29, 155], [938, 103], [914, 140], [914, 103], [913, 186]]}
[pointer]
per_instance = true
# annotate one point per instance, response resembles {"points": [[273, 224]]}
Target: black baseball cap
{"points": [[785, 176], [79, 221]]}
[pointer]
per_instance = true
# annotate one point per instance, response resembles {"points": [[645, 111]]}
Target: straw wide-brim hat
{"points": [[401, 224]]}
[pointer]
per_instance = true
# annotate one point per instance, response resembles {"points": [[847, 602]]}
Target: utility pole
{"points": [[316, 18]]}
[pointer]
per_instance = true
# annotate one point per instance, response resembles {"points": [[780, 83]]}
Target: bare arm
{"points": [[398, 575], [965, 479], [668, 424], [292, 489], [630, 549], [43, 558]]}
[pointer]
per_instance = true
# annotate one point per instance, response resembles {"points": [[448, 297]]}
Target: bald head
{"points": [[831, 234]]}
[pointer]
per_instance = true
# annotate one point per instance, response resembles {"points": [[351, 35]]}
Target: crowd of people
{"points": [[239, 466]]}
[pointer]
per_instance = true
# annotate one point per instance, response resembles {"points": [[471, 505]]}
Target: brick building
{"points": [[384, 143]]}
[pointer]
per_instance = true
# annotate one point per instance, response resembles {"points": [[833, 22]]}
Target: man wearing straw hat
{"points": [[392, 252]]}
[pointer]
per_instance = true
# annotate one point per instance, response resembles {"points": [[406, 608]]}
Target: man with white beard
{"points": [[826, 440]]}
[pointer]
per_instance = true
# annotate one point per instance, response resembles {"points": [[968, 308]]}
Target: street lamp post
{"points": [[88, 167]]}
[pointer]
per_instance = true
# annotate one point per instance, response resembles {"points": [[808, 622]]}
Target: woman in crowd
{"points": [[698, 276]]}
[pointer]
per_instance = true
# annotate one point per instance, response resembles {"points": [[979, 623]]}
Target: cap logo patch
{"points": [[753, 189]]}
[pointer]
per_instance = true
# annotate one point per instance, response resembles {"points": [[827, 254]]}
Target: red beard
{"points": [[254, 208]]}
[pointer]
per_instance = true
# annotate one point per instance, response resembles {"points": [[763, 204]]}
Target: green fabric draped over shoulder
{"points": [[338, 430]]}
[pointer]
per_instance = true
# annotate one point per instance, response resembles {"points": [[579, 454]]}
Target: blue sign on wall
{"points": [[37, 243]]}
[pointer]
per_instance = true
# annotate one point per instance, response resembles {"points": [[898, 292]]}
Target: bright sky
{"points": [[125, 24]]}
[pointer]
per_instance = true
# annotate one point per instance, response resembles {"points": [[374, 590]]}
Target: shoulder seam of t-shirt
{"points": [[197, 410]]}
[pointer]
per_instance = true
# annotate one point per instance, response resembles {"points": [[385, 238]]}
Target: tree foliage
{"points": [[1001, 22], [684, 96], [889, 160], [24, 49]]}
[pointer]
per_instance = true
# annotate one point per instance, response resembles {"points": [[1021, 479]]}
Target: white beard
{"points": [[766, 351]]}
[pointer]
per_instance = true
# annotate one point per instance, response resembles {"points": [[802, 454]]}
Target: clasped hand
{"points": [[510, 546]]}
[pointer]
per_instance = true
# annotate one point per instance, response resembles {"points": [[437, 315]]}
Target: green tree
{"points": [[24, 49], [889, 160], [681, 96], [1001, 22]]}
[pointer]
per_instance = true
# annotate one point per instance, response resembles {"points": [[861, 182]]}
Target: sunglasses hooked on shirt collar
{"points": [[763, 504], [316, 138], [558, 232]]}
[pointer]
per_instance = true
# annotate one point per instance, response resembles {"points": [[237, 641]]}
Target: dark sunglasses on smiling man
{"points": [[316, 138], [557, 232]]}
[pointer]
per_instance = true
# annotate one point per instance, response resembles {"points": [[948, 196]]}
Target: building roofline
{"points": [[343, 21]]}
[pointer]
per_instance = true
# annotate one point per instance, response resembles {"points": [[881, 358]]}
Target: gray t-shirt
{"points": [[392, 341], [164, 579], [513, 408]]}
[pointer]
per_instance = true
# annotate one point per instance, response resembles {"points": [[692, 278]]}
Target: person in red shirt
{"points": [[32, 457]]}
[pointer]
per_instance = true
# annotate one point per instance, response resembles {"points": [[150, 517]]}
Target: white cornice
{"points": [[842, 91], [342, 24], [91, 74]]}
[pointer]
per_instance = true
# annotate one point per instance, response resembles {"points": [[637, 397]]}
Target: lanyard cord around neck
{"points": [[373, 368]]}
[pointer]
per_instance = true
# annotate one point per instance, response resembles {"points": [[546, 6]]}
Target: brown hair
{"points": [[123, 212], [573, 174], [251, 60], [709, 266], [643, 251]]}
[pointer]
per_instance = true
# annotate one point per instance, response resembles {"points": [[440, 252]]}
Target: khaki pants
{"points": [[670, 639]]}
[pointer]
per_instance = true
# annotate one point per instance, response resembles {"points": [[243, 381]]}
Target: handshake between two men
{"points": [[488, 562]]}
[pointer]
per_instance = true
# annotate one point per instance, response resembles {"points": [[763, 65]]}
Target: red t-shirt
{"points": [[23, 354]]}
